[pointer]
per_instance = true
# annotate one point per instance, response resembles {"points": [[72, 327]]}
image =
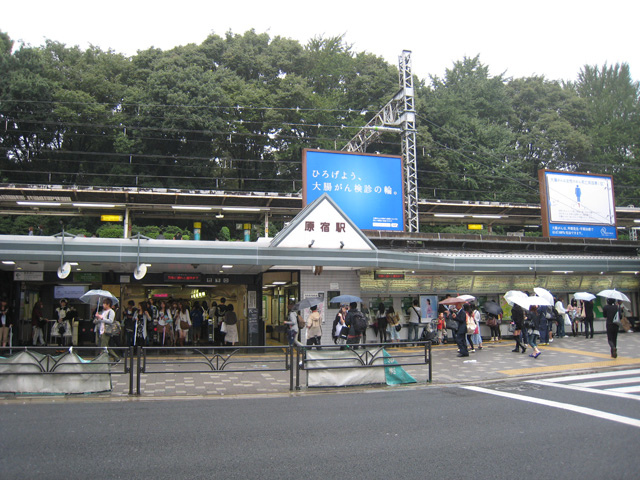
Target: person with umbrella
{"points": [[587, 317], [461, 334], [610, 310], [107, 317], [494, 317]]}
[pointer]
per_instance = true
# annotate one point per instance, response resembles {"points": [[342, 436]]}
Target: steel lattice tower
{"points": [[399, 115]]}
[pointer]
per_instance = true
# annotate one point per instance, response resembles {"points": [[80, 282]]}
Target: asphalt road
{"points": [[412, 432]]}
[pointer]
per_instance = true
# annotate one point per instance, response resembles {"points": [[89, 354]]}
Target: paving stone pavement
{"points": [[182, 376]]}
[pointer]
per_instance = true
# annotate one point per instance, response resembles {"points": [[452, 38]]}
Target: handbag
{"points": [[492, 322], [616, 319], [512, 327], [112, 329], [398, 327], [223, 327], [184, 325]]}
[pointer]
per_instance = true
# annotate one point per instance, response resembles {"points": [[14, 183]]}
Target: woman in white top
{"points": [[231, 322], [165, 324], [183, 323]]}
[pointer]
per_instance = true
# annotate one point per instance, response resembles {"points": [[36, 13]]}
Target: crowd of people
{"points": [[169, 323], [531, 327]]}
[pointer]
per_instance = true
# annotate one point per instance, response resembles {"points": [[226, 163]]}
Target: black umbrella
{"points": [[492, 308]]}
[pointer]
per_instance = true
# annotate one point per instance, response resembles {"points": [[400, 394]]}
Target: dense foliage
{"points": [[235, 112]]}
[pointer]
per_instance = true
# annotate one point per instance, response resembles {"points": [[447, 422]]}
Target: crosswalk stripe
{"points": [[608, 392], [564, 406], [606, 383], [635, 388], [590, 376]]}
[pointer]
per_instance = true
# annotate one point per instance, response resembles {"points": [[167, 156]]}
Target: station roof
{"points": [[248, 207], [44, 253]]}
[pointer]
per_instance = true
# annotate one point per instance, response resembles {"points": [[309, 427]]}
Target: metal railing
{"points": [[53, 358], [366, 355], [213, 360], [162, 360]]}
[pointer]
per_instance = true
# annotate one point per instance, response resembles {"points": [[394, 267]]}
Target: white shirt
{"points": [[108, 316], [414, 316]]}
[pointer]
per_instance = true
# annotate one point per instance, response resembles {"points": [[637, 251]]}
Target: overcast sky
{"points": [[554, 38]]}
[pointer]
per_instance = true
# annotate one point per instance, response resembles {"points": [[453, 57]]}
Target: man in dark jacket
{"points": [[355, 333], [461, 334]]}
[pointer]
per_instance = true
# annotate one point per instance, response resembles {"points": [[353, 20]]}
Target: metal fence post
{"points": [[130, 351], [290, 354], [297, 368], [427, 349], [138, 368]]}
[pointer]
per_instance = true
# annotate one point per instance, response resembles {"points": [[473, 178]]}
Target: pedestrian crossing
{"points": [[620, 383]]}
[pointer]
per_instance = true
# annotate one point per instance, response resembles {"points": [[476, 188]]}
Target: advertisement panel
{"points": [[368, 188], [578, 205]]}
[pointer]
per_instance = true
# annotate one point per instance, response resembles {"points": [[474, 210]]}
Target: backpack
{"points": [[301, 322], [358, 322]]}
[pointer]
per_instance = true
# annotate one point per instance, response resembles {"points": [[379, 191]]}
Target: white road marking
{"points": [[610, 392], [590, 376], [564, 406], [606, 383], [635, 388]]}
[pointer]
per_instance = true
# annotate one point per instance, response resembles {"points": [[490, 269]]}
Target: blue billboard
{"points": [[368, 188]]}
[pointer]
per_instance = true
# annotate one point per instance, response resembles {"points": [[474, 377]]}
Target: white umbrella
{"points": [[511, 295], [614, 294], [527, 302], [584, 296], [97, 295], [544, 293], [468, 298]]}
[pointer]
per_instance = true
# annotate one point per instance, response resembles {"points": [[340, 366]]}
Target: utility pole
{"points": [[399, 115]]}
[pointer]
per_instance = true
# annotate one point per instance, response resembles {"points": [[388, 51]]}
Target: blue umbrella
{"points": [[345, 299]]}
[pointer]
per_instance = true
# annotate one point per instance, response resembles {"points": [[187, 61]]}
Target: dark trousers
{"points": [[461, 339], [612, 336], [495, 332], [382, 328], [588, 326], [560, 328], [314, 341]]}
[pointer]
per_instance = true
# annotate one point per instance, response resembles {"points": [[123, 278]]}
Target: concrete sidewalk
{"points": [[495, 361]]}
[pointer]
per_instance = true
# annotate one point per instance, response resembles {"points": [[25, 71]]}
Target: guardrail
{"points": [[215, 359], [369, 357], [163, 360], [52, 360]]}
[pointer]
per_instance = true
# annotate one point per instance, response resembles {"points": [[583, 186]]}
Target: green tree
{"points": [[613, 126], [469, 141], [547, 121]]}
